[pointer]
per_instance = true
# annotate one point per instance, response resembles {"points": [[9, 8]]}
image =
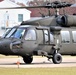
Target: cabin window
{"points": [[20, 17], [74, 36], [31, 35], [46, 36], [51, 38], [65, 35]]}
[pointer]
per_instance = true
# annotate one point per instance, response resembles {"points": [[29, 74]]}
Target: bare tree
{"points": [[44, 11], [38, 2], [44, 2]]}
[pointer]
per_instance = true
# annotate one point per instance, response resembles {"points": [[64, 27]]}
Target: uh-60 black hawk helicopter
{"points": [[51, 36]]}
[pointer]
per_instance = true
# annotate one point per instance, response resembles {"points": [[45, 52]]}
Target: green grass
{"points": [[38, 71]]}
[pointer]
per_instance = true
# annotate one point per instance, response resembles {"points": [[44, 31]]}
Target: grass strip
{"points": [[38, 71]]}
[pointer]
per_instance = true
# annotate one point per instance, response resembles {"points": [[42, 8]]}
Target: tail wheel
{"points": [[57, 58], [28, 59]]}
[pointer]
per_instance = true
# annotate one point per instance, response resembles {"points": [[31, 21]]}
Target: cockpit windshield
{"points": [[16, 33], [11, 32], [19, 33], [6, 32]]}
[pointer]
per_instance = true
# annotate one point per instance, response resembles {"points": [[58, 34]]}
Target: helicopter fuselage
{"points": [[28, 40], [50, 36]]}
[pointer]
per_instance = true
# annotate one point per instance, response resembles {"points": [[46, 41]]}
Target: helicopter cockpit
{"points": [[14, 32]]}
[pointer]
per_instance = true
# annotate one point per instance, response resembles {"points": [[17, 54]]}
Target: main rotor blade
{"points": [[74, 5], [25, 7], [55, 4]]}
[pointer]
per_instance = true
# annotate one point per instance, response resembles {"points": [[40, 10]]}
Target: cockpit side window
{"points": [[31, 35]]}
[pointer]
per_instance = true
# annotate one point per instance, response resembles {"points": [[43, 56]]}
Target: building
{"points": [[12, 17]]}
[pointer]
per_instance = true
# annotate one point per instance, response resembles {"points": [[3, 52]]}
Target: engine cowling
{"points": [[67, 20]]}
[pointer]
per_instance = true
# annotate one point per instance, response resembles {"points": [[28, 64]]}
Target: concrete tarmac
{"points": [[38, 62]]}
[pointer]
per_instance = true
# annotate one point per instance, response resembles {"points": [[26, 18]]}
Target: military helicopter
{"points": [[51, 36]]}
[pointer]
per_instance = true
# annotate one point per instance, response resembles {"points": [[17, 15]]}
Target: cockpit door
{"points": [[29, 42]]}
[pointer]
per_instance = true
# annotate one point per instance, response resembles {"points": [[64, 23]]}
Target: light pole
{"points": [[7, 19]]}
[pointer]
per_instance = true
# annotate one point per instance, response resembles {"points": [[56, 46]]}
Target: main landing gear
{"points": [[28, 59], [56, 58]]}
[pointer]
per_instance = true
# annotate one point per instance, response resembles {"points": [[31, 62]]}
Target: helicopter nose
{"points": [[10, 46], [4, 46]]}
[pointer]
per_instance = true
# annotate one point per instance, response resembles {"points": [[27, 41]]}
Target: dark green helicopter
{"points": [[51, 36]]}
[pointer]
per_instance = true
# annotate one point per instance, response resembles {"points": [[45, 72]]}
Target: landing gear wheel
{"points": [[57, 58], [28, 59]]}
